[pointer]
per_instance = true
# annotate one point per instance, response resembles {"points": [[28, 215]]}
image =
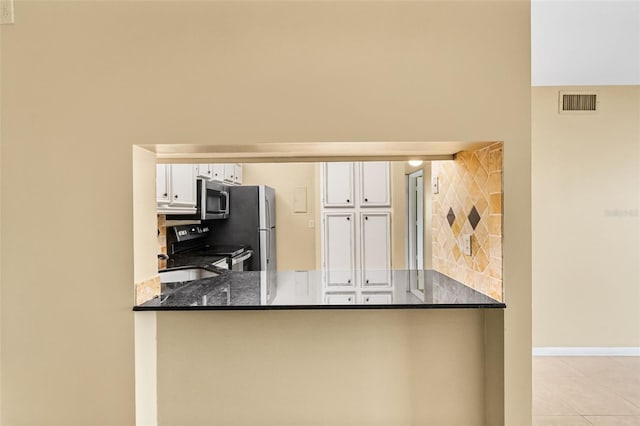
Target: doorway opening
{"points": [[418, 222]]}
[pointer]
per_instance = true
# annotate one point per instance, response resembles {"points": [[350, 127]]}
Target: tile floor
{"points": [[589, 391]]}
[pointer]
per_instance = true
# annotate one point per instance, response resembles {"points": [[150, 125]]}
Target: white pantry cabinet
{"points": [[356, 229], [375, 244], [374, 184], [339, 256], [338, 189]]}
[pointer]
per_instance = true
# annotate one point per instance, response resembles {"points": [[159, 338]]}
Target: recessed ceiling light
{"points": [[415, 163]]}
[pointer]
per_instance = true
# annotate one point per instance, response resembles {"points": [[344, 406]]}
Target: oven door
{"points": [[213, 200], [239, 262]]}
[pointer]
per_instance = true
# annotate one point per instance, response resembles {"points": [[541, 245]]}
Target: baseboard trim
{"points": [[586, 351]]}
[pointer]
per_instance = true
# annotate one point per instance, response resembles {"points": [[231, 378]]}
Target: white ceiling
{"points": [[585, 42]]}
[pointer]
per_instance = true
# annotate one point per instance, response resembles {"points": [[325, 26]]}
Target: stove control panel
{"points": [[190, 232]]}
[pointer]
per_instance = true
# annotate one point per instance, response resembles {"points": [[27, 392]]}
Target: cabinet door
{"points": [[183, 185], [204, 171], [374, 184], [340, 299], [376, 298], [339, 250], [237, 174], [375, 249], [229, 173], [218, 172], [338, 184], [162, 184]]}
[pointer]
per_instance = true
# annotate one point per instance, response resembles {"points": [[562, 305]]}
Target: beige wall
{"points": [[84, 81], [296, 242], [379, 370], [586, 195]]}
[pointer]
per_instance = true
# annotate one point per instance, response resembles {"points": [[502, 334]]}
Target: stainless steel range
{"points": [[189, 243]]}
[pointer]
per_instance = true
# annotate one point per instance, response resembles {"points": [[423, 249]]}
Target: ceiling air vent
{"points": [[578, 102]]}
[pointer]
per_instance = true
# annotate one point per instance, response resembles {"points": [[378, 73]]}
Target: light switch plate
{"points": [[300, 200], [434, 185], [466, 244]]}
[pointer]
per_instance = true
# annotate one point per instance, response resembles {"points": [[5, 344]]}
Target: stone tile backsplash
{"points": [[469, 201]]}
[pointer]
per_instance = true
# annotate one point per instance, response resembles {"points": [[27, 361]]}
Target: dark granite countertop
{"points": [[247, 290]]}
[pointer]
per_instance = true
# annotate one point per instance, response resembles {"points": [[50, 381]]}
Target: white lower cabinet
{"points": [[340, 298], [376, 298]]}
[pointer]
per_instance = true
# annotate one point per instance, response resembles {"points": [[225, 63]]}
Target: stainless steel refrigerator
{"points": [[252, 223]]}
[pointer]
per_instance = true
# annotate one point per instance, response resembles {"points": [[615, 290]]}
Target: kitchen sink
{"points": [[185, 274]]}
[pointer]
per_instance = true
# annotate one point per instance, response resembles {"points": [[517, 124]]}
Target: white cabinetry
{"points": [[176, 188], [375, 235], [229, 173], [204, 171], [339, 249], [374, 184], [237, 174], [356, 232], [340, 298], [162, 183], [338, 185], [183, 185], [218, 172], [376, 298]]}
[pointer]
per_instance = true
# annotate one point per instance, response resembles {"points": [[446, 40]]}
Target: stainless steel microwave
{"points": [[213, 200]]}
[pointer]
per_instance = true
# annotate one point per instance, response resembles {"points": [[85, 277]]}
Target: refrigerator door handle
{"points": [[268, 246]]}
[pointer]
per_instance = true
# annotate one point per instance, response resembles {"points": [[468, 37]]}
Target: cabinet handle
{"points": [[366, 218], [164, 195], [209, 172], [347, 201], [175, 196], [366, 199], [348, 281], [215, 174], [349, 299], [366, 300], [348, 218], [367, 281]]}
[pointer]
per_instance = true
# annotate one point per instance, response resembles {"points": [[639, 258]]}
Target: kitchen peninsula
{"points": [[247, 290]]}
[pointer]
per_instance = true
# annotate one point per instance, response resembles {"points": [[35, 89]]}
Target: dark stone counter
{"points": [[248, 290]]}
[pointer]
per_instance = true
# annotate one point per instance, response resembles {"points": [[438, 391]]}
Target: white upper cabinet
{"points": [[374, 184], [229, 173], [339, 249], [218, 172], [338, 184], [204, 171], [162, 184], [375, 245], [237, 174], [183, 185]]}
